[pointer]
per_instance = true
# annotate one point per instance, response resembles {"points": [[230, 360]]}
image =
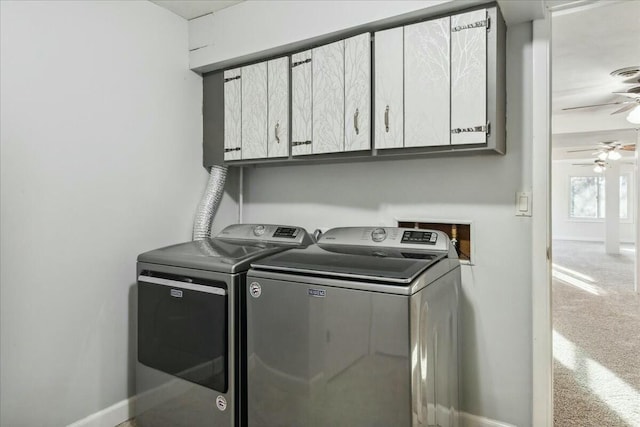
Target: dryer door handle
{"points": [[181, 285]]}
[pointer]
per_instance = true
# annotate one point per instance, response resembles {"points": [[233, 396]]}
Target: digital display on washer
{"points": [[286, 232], [420, 237]]}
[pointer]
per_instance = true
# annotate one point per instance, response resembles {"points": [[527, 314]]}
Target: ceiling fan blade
{"points": [[578, 151], [634, 92], [631, 106], [597, 105], [628, 147]]}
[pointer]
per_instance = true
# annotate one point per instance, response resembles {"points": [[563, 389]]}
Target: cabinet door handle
{"points": [[277, 132], [386, 118], [355, 121]]}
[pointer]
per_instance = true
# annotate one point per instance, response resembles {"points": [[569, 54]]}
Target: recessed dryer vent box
{"points": [[462, 231]]}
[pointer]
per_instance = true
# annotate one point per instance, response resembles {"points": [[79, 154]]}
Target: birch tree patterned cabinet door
{"points": [[278, 110], [357, 90], [301, 130], [426, 83], [469, 78], [254, 111], [328, 98], [232, 114], [389, 114]]}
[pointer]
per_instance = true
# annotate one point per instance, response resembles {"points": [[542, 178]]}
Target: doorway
{"points": [[594, 208]]}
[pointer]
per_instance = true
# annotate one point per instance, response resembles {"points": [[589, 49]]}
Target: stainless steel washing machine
{"points": [[358, 330], [190, 323]]}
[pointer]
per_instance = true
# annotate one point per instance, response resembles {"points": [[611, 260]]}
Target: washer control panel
{"points": [[390, 237], [267, 233]]}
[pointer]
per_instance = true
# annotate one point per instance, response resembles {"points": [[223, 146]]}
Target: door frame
{"points": [[542, 345]]}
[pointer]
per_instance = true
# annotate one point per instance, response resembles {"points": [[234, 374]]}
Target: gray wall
{"points": [[100, 160], [497, 348]]}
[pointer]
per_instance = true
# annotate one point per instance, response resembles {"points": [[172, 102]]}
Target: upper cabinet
{"points": [[256, 109], [357, 93], [426, 83], [278, 107], [232, 114], [389, 88], [331, 97], [436, 83], [439, 86], [469, 77]]}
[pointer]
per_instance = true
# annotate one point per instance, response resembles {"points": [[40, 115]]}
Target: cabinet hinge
{"points": [[306, 61], [485, 128], [228, 150], [296, 143], [485, 23], [231, 79]]}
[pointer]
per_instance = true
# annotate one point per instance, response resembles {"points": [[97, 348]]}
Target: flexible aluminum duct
{"points": [[209, 203]]}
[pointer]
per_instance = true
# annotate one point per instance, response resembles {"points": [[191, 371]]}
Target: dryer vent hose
{"points": [[209, 203]]}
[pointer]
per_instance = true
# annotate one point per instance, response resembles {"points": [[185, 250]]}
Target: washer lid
{"points": [[224, 256], [359, 262]]}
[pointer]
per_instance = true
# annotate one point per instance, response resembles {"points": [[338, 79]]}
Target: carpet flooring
{"points": [[596, 343]]}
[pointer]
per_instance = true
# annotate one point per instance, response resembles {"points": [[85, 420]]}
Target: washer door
{"points": [[182, 328]]}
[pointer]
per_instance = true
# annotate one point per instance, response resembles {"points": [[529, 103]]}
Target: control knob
{"points": [[259, 230], [378, 235]]}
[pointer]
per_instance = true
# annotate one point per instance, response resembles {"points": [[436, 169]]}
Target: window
{"points": [[587, 197]]}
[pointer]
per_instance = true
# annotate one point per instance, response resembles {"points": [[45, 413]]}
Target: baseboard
{"points": [[108, 417], [469, 420], [121, 412]]}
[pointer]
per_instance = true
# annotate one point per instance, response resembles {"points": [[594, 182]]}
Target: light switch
{"points": [[523, 203]]}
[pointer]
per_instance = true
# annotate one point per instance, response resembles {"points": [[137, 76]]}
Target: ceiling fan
{"points": [[600, 165], [631, 75], [607, 150]]}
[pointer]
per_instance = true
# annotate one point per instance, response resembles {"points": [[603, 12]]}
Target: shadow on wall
{"points": [[478, 180]]}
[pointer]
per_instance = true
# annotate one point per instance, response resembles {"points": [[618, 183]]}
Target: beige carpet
{"points": [[596, 317]]}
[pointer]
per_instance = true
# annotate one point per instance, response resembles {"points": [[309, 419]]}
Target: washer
{"points": [[190, 300], [358, 330]]}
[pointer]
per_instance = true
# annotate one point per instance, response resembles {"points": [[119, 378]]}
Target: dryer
{"points": [[190, 320], [358, 330]]}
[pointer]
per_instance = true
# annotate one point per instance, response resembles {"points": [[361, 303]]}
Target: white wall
{"points": [[497, 348], [100, 160], [588, 230]]}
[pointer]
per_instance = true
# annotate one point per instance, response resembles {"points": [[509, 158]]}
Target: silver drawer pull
{"points": [[386, 118], [277, 132], [355, 121]]}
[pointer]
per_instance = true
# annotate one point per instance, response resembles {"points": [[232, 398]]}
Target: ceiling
{"points": [[194, 9], [588, 43]]}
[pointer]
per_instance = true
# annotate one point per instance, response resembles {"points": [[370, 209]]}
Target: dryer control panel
{"points": [[389, 237], [267, 233]]}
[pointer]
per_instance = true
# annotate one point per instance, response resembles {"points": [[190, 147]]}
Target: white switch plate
{"points": [[523, 203]]}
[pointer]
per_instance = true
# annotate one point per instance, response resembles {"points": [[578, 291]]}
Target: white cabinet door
{"points": [[232, 114], [301, 103], [469, 78], [389, 89], [357, 92], [254, 111], [426, 83], [278, 110], [328, 98]]}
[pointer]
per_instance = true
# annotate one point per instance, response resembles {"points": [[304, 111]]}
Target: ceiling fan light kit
{"points": [[634, 115]]}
